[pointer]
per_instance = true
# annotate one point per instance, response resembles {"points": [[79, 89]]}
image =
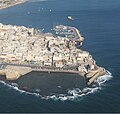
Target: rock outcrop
{"points": [[93, 75], [14, 72]]}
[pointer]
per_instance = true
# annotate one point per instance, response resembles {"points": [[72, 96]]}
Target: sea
{"points": [[40, 92]]}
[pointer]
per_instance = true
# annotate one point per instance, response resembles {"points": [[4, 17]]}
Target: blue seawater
{"points": [[99, 22]]}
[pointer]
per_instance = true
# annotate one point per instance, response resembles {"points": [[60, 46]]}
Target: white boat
{"points": [[70, 18]]}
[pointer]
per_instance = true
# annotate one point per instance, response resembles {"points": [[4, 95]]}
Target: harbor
{"points": [[70, 32]]}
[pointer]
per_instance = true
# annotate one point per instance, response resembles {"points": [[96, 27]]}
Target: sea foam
{"points": [[71, 94]]}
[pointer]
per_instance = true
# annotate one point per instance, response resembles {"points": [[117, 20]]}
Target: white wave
{"points": [[102, 79], [15, 87], [71, 94], [14, 84], [77, 93]]}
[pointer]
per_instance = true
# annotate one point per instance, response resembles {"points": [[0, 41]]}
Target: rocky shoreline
{"points": [[9, 3]]}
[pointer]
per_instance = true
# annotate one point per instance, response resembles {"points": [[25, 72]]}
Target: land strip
{"points": [[9, 3]]}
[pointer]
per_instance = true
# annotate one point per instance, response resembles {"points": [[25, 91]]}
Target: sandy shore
{"points": [[13, 4]]}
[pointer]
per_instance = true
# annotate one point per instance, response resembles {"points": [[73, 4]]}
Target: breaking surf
{"points": [[70, 94]]}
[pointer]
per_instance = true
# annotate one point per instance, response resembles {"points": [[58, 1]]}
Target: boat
{"points": [[70, 18]]}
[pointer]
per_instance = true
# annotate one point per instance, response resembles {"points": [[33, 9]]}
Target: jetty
{"points": [[70, 32]]}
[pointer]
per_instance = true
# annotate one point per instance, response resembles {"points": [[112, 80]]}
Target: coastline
{"points": [[86, 65], [13, 4], [67, 92], [40, 54]]}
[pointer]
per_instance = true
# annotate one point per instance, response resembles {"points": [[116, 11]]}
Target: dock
{"points": [[70, 32]]}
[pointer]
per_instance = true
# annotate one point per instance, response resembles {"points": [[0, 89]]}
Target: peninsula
{"points": [[9, 3], [23, 50]]}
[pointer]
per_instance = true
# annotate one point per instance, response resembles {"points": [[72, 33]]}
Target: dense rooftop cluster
{"points": [[22, 45]]}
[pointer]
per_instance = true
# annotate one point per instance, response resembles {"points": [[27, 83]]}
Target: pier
{"points": [[70, 32]]}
